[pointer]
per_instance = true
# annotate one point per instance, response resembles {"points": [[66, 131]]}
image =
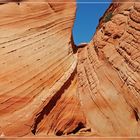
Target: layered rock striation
{"points": [[38, 69], [108, 73], [50, 87]]}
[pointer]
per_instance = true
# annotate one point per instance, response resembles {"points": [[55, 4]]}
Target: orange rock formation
{"points": [[48, 87], [108, 72], [38, 69]]}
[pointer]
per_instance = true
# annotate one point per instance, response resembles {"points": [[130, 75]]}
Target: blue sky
{"points": [[87, 18]]}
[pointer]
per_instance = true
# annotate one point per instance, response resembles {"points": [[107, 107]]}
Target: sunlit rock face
{"points": [[109, 73], [38, 69], [50, 87]]}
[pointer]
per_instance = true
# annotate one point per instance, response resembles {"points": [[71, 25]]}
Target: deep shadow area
{"points": [[136, 112], [51, 104], [78, 128]]}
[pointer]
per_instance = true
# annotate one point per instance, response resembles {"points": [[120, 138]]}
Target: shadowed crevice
{"points": [[78, 128], [51, 6], [136, 114], [51, 104]]}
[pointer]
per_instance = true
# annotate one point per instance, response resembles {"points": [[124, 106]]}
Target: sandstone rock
{"points": [[38, 69], [109, 75], [50, 87]]}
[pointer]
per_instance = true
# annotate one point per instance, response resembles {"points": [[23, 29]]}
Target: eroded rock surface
{"points": [[48, 87], [38, 81], [109, 73]]}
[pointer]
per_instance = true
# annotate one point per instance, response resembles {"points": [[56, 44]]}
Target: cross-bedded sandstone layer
{"points": [[109, 73], [38, 69], [48, 87]]}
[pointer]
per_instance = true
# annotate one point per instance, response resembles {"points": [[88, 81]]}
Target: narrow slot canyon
{"points": [[61, 77]]}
